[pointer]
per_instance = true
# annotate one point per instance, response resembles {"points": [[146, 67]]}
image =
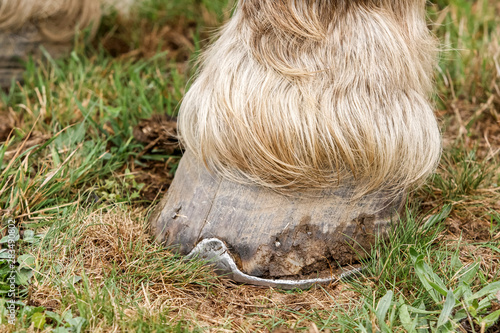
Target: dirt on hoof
{"points": [[310, 253]]}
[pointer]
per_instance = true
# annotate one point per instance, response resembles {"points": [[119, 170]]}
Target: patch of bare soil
{"points": [[159, 135], [477, 125], [471, 217], [157, 177], [471, 220]]}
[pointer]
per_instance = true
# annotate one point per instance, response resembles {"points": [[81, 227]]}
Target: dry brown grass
{"points": [[127, 279], [114, 244]]}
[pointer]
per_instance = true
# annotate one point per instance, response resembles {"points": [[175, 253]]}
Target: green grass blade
{"points": [[448, 307]]}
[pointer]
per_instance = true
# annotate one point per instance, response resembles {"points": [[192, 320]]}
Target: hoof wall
{"points": [[262, 237]]}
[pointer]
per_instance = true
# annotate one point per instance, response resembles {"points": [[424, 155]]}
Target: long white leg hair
{"points": [[311, 93]]}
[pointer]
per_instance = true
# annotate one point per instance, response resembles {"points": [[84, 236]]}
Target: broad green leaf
{"points": [[406, 321], [54, 316], [460, 290], [435, 278], [491, 319], [431, 281], [422, 324], [438, 288], [74, 279], [383, 306], [423, 275], [4, 254], [30, 237], [446, 328], [470, 273], [485, 303], [492, 288], [448, 306], [28, 234], [392, 314], [473, 308], [76, 324], [467, 297], [459, 315], [11, 235], [23, 276], [414, 254], [26, 260], [437, 218], [421, 311], [67, 315], [60, 330], [38, 320]]}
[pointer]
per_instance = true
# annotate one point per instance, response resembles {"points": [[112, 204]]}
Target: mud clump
{"points": [[159, 136], [158, 133], [307, 252]]}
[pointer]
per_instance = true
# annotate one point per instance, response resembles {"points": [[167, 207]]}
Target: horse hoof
{"points": [[259, 236]]}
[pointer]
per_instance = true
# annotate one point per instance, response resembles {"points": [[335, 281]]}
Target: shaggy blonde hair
{"points": [[311, 93]]}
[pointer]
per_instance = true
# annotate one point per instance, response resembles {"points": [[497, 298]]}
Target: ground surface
{"points": [[82, 163]]}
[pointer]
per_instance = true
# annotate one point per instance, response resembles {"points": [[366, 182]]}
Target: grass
{"points": [[73, 177]]}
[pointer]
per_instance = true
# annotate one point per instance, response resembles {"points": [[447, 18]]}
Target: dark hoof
{"points": [[262, 237]]}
